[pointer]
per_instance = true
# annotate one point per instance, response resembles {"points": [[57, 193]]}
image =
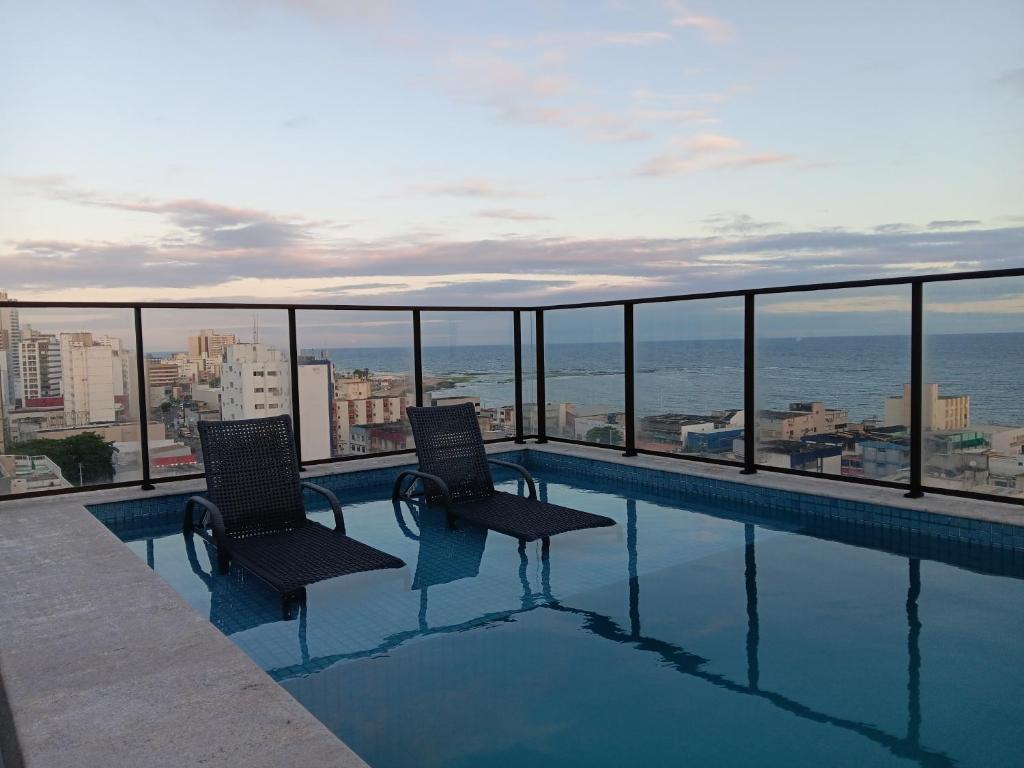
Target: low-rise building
{"points": [[801, 420], [795, 454], [381, 438], [24, 474]]}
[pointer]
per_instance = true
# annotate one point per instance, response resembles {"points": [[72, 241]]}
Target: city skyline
{"points": [[697, 147]]}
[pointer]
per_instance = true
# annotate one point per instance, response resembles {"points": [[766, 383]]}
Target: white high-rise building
{"points": [[10, 338], [40, 365], [315, 404], [94, 373], [254, 382]]}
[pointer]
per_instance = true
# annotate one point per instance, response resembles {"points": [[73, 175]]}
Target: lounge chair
{"points": [[255, 508], [455, 475]]}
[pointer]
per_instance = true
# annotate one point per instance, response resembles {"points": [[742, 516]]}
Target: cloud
{"points": [[710, 142], [472, 187], [511, 214], [707, 152], [207, 245], [1013, 80], [738, 224], [637, 38], [953, 223], [713, 29]]}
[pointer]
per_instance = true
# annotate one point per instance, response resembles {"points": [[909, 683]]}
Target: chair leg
{"points": [[222, 560], [522, 546], [545, 544]]}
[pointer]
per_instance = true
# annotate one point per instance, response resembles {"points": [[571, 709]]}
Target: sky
{"points": [[389, 152]]}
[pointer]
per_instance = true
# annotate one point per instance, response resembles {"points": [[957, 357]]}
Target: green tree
{"points": [[606, 435], [87, 451]]}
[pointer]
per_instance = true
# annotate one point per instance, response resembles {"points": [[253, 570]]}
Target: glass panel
{"points": [[68, 398], [355, 381], [584, 381], [531, 425], [828, 364], [689, 376], [470, 357], [210, 364], [973, 371]]}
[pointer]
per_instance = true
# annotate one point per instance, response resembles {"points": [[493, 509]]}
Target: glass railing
{"points": [[69, 399], [688, 358], [212, 365], [971, 395], [356, 379], [828, 364], [469, 357], [584, 375], [912, 382]]}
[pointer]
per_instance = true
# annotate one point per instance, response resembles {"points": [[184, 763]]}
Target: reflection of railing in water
{"points": [[677, 657]]}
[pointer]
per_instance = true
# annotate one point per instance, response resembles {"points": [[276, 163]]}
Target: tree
{"points": [[86, 455], [606, 435]]}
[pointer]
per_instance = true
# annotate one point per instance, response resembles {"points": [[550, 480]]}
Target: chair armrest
{"points": [[339, 518], [211, 516], [215, 520], [400, 519], [521, 470], [440, 485]]}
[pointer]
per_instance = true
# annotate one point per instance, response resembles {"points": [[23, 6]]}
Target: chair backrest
{"points": [[252, 474], [449, 445]]}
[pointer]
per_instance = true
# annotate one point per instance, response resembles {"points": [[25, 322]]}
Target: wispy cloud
{"points": [[472, 187], [953, 223], [637, 38], [511, 214], [712, 28], [707, 152]]}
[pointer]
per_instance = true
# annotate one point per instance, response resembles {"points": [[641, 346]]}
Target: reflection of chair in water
{"points": [[446, 554], [240, 601]]}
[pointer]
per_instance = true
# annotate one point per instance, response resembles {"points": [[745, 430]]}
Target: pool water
{"points": [[685, 635]]}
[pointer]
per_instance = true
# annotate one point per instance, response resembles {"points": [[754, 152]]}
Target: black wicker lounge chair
{"points": [[454, 473], [255, 509]]}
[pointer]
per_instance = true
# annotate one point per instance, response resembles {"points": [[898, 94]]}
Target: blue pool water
{"points": [[687, 634]]}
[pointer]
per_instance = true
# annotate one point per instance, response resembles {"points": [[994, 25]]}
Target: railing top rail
{"points": [[805, 287]]}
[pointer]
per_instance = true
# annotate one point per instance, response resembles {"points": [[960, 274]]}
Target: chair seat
{"points": [[289, 560], [524, 518]]}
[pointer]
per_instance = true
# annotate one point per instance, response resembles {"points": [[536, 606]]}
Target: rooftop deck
{"points": [[89, 636]]}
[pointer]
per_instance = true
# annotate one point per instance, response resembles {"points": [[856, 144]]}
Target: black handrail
{"points": [[914, 487]]}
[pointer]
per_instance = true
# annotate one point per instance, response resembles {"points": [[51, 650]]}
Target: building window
{"points": [[259, 406]]}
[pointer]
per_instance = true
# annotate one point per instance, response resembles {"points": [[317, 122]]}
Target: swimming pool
{"points": [[692, 632]]}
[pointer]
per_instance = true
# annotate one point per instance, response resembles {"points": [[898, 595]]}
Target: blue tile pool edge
{"points": [[793, 506]]}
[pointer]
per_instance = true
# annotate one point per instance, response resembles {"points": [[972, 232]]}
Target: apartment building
{"points": [[940, 411], [94, 378], [254, 382]]}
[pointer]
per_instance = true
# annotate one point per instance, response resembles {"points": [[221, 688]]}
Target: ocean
{"points": [[699, 376]]}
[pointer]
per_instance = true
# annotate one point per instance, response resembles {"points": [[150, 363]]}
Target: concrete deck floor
{"points": [[102, 663]]}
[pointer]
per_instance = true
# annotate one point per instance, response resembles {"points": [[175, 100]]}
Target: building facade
{"points": [[254, 382]]}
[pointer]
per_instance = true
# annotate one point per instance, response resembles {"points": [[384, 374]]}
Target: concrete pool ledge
{"points": [[931, 503], [102, 663]]}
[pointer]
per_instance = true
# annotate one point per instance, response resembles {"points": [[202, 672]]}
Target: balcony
{"points": [[743, 441]]}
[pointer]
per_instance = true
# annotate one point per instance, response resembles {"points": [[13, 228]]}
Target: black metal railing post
{"points": [[749, 393], [417, 356], [293, 356], [542, 406], [140, 375], [517, 343], [630, 371], [916, 388]]}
